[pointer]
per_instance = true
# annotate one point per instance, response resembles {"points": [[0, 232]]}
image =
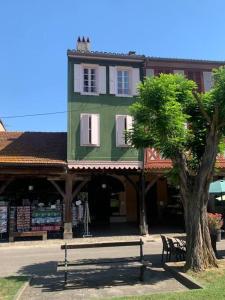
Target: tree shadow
{"points": [[102, 273]]}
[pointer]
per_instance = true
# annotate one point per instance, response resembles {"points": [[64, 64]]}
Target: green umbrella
{"points": [[217, 187], [221, 198]]}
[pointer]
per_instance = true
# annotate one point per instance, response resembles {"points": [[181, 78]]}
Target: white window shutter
{"points": [[95, 137], [181, 72], [78, 77], [135, 80], [120, 138], [129, 122], [149, 72], [84, 121], [102, 80], [208, 82], [112, 80]]}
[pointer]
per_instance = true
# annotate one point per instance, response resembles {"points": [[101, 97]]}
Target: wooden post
{"points": [[143, 218], [68, 232]]}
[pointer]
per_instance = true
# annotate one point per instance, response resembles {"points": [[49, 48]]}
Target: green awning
{"points": [[217, 187]]}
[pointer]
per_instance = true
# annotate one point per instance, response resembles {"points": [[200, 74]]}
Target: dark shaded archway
{"points": [[100, 191]]}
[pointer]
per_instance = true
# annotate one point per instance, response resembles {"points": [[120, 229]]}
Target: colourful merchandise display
{"points": [[3, 219], [23, 218], [77, 214], [46, 218]]}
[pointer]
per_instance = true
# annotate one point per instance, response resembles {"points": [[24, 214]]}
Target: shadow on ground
{"points": [[98, 275]]}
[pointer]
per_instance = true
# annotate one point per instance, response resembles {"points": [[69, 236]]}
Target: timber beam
{"points": [[5, 184], [152, 182], [58, 188], [79, 187], [132, 183]]}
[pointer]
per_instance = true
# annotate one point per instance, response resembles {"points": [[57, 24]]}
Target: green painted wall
{"points": [[107, 106]]}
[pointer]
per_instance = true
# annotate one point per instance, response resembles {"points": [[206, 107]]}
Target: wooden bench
{"points": [[14, 235], [140, 259]]}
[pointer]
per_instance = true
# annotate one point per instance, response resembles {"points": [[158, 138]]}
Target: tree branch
{"points": [[206, 169], [181, 162], [204, 113]]}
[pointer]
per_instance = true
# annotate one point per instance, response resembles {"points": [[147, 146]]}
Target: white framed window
{"points": [[123, 123], [89, 79], [89, 130], [123, 82]]}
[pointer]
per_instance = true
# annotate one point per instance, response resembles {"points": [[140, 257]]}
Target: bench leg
{"points": [[44, 237], [65, 266], [142, 273], [65, 277]]}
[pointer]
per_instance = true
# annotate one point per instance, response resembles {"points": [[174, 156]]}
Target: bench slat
{"points": [[43, 234], [99, 262], [103, 244]]}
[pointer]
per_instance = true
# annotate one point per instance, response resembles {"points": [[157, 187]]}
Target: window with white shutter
{"points": [[135, 80], [208, 81], [89, 79], [77, 78], [123, 81], [123, 123], [112, 80], [102, 80], [89, 130]]}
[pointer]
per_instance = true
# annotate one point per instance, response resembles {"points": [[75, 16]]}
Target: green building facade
{"points": [[101, 87]]}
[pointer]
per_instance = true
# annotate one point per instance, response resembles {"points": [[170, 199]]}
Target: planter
{"points": [[213, 243], [218, 236]]}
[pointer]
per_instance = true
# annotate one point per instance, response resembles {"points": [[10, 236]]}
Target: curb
{"points": [[59, 242], [22, 289], [183, 278]]}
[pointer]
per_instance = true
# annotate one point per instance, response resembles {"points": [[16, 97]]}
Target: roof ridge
{"points": [[143, 56], [185, 59]]}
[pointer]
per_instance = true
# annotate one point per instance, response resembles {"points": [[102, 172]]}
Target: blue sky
{"points": [[34, 37]]}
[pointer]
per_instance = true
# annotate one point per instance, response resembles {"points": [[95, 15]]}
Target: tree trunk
{"points": [[194, 193], [200, 254]]}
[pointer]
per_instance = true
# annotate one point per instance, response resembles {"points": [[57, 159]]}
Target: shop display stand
{"points": [[46, 218], [77, 219], [23, 218], [3, 220], [87, 220], [81, 218], [12, 223]]}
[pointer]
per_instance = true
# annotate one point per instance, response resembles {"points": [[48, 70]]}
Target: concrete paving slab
{"points": [[102, 282], [40, 262]]}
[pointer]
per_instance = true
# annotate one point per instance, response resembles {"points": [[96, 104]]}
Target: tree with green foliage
{"points": [[187, 127]]}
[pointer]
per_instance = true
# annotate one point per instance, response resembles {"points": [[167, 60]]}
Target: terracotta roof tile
{"points": [[33, 148]]}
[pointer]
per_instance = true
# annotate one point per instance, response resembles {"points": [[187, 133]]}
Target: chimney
{"points": [[83, 44]]}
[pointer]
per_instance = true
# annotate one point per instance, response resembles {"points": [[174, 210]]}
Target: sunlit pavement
{"points": [[39, 260]]}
